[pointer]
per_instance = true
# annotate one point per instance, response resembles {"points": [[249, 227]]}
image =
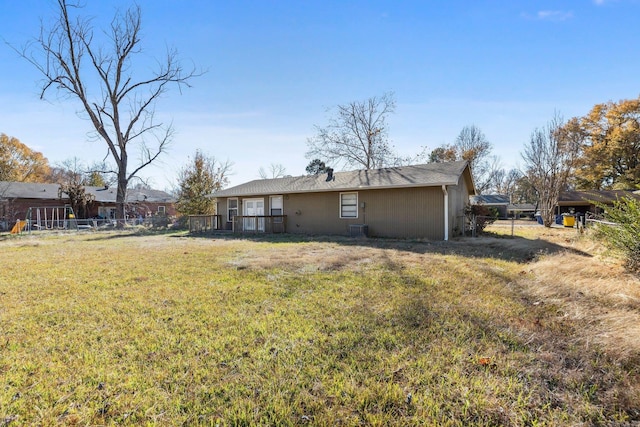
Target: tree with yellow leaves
{"points": [[20, 163], [610, 148]]}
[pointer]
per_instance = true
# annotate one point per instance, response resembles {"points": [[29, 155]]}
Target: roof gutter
{"points": [[273, 191], [446, 212]]}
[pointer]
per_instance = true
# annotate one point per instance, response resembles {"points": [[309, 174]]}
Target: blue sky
{"points": [[275, 67]]}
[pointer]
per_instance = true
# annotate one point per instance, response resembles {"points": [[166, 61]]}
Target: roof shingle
{"points": [[31, 190], [431, 174]]}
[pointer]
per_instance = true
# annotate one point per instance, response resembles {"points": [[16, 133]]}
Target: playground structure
{"points": [[47, 218], [20, 225]]}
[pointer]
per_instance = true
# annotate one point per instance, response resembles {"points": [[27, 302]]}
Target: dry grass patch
{"points": [[114, 329]]}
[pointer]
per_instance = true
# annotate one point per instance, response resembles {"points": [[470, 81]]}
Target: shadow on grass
{"points": [[113, 234], [508, 248]]}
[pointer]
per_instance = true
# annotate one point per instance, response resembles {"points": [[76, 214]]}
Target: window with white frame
{"points": [[161, 210], [348, 205], [275, 207], [232, 208], [106, 212]]}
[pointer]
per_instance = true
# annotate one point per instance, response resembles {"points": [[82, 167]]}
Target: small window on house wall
{"points": [[161, 210], [348, 205], [232, 208], [275, 207]]}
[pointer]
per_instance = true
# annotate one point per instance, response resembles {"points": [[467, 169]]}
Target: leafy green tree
{"points": [[20, 163], [316, 167], [95, 179], [197, 181], [625, 234]]}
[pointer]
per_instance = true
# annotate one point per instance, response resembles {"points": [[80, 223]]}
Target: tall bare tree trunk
{"points": [[97, 69]]}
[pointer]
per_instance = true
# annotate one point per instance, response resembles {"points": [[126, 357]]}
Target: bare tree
{"points": [[276, 170], [506, 182], [100, 74], [549, 158], [357, 135], [471, 145]]}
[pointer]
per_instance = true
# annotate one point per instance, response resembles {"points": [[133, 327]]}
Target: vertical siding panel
{"points": [[400, 212], [405, 213]]}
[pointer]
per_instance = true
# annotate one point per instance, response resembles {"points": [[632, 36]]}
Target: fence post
{"points": [[473, 225]]}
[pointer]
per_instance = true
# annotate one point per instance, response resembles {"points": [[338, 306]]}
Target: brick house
{"points": [[16, 198]]}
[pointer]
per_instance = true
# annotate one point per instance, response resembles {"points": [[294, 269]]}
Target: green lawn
{"points": [[117, 329]]}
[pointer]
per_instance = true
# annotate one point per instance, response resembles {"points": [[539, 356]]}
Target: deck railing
{"points": [[259, 224], [205, 223]]}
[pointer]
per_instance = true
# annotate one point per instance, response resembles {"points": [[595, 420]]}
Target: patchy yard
{"points": [[115, 329]]}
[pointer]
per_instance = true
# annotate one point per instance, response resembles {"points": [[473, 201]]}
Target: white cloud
{"points": [[555, 15]]}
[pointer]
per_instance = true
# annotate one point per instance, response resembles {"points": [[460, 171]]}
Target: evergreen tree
{"points": [[197, 181]]}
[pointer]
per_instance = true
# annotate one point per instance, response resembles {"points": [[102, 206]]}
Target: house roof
{"points": [[568, 198], [108, 195], [427, 175], [521, 207], [490, 199], [30, 190]]}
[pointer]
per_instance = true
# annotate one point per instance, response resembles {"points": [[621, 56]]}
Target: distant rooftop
{"points": [[490, 199], [30, 190], [600, 196]]}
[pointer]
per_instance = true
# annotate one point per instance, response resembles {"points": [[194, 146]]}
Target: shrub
{"points": [[484, 216], [624, 235], [160, 221], [181, 223]]}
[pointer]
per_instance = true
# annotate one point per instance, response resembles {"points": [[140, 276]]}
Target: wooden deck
{"points": [[240, 224]]}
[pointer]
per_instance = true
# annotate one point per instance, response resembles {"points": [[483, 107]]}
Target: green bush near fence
{"points": [[624, 235]]}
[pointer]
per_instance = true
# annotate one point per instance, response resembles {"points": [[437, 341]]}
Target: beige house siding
{"points": [[398, 212], [458, 200], [401, 202], [405, 213], [221, 209]]}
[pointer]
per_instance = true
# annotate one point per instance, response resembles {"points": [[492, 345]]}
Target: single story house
{"points": [[585, 201], [45, 200], [519, 210], [421, 201], [498, 201]]}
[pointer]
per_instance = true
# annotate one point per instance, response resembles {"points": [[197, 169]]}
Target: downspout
{"points": [[446, 212]]}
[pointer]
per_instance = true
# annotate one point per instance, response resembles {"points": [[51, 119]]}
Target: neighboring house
{"points": [[16, 198], [519, 210], [497, 201], [421, 201], [585, 201], [140, 202]]}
